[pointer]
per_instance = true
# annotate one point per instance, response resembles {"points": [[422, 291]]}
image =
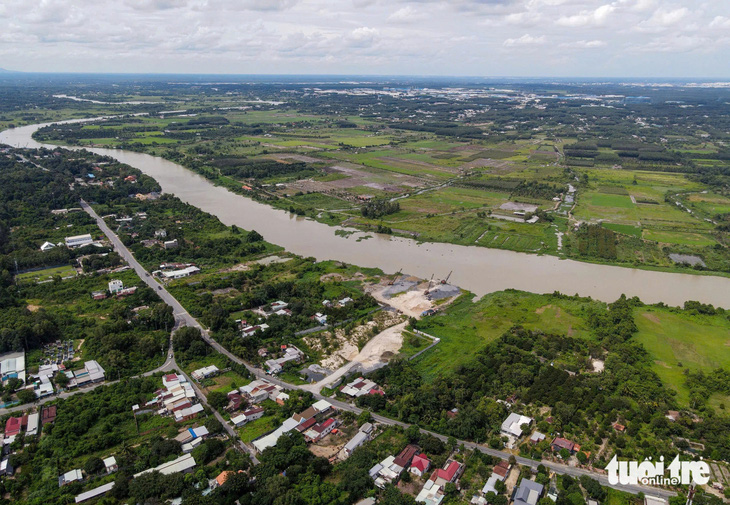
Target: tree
{"points": [[582, 457], [364, 417], [213, 425], [500, 486], [61, 380], [217, 399], [93, 465], [26, 396], [413, 433]]}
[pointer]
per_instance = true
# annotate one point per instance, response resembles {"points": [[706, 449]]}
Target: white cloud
{"points": [[663, 19], [407, 14], [584, 44], [720, 22], [362, 37], [595, 17], [368, 36], [525, 40]]}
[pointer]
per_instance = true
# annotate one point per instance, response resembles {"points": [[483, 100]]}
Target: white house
{"points": [[110, 464], [79, 240], [115, 285], [512, 426], [47, 246], [179, 274]]}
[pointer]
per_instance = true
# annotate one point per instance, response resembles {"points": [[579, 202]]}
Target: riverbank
{"points": [[477, 269], [458, 227]]}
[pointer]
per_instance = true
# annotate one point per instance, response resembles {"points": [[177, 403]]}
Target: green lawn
{"points": [[695, 342]]}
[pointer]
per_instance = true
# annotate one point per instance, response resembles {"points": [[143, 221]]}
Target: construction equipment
{"points": [[444, 281], [395, 277], [429, 285]]}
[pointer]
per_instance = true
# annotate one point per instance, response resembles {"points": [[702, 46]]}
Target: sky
{"points": [[490, 38]]}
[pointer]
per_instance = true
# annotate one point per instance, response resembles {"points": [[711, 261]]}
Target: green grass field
{"points": [[695, 342], [610, 200], [253, 430], [465, 327], [681, 238], [626, 229], [47, 274]]}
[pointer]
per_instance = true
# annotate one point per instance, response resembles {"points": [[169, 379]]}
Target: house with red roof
{"points": [[449, 473], [48, 414], [319, 431], [562, 443], [13, 426], [433, 490], [420, 465], [406, 456]]}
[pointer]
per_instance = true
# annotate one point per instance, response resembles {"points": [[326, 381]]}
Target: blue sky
{"points": [[621, 38]]}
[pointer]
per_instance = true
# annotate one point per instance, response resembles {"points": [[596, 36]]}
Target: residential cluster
{"points": [[176, 398], [29, 423], [361, 387], [314, 423]]}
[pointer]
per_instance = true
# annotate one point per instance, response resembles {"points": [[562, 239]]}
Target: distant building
{"points": [[68, 477], [291, 353], [360, 387], [110, 464], [94, 493], [528, 493], [205, 372], [183, 464], [47, 246], [170, 244], [512, 426], [79, 241], [179, 274], [420, 465], [91, 373], [32, 427], [250, 330], [188, 413], [160, 233], [12, 366], [561, 443], [115, 285], [48, 414]]}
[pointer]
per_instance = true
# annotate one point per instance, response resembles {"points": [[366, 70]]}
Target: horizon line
{"points": [[6, 73]]}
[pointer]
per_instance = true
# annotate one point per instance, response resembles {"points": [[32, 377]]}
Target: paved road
{"points": [[183, 318]]}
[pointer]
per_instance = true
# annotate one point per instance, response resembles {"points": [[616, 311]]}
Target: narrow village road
{"points": [[183, 318]]}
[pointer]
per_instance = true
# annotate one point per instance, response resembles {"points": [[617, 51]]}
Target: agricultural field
{"points": [[675, 340], [467, 325], [452, 177], [47, 274], [678, 341]]}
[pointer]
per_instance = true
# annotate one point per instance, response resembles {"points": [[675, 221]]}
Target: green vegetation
{"points": [[452, 174], [680, 341]]}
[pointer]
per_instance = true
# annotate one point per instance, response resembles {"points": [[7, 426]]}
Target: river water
{"points": [[478, 269]]}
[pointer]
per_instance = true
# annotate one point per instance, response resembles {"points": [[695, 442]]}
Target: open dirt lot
{"points": [[411, 303]]}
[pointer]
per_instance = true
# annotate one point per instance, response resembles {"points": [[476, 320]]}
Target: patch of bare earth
{"points": [[33, 308], [241, 267], [651, 317], [345, 346]]}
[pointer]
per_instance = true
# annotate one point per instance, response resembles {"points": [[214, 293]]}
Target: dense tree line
{"points": [[379, 207]]}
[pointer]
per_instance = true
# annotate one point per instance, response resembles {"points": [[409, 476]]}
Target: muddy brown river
{"points": [[478, 269]]}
